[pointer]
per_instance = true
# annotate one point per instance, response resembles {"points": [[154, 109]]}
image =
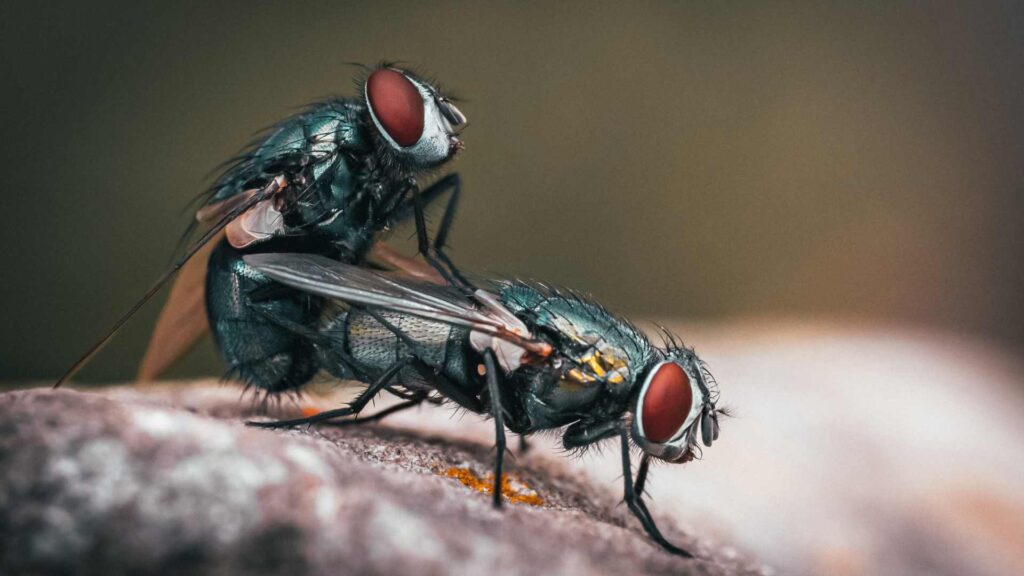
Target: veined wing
{"points": [[353, 284]]}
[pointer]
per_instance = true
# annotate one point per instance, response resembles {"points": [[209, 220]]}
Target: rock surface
{"points": [[168, 480]]}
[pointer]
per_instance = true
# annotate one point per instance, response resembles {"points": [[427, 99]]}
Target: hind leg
{"points": [[260, 352], [354, 408]]}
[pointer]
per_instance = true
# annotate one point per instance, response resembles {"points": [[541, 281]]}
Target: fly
{"points": [[325, 181], [530, 357]]}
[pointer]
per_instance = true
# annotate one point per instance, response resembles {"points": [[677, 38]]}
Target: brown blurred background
{"points": [[709, 161]]}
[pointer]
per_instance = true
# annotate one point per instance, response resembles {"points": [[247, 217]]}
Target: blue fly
{"points": [[528, 356], [325, 181]]}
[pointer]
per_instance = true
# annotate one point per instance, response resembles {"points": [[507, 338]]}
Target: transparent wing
{"points": [[356, 285]]}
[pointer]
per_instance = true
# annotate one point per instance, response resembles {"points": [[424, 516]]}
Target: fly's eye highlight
{"points": [[666, 403], [397, 105]]}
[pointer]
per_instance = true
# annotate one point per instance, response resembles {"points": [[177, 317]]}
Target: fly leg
{"points": [[379, 415], [640, 483], [636, 504], [442, 384], [459, 395], [641, 476], [413, 401], [354, 408], [434, 254], [428, 196], [524, 445], [453, 182], [494, 391]]}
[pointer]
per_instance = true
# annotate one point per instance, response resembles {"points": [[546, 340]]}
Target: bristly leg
{"points": [[639, 485], [447, 388], [636, 505], [441, 262], [641, 475], [326, 415], [434, 252], [354, 408], [494, 391], [377, 417], [454, 182]]}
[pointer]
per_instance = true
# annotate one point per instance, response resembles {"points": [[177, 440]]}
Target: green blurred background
{"points": [[712, 161]]}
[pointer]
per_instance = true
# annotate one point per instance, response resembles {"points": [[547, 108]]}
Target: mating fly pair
{"points": [[289, 291]]}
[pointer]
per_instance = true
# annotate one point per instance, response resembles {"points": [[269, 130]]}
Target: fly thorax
{"points": [[597, 362]]}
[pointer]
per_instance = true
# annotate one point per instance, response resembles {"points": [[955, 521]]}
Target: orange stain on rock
{"points": [[485, 486]]}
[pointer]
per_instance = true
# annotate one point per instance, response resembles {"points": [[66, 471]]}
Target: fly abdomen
{"points": [[373, 347]]}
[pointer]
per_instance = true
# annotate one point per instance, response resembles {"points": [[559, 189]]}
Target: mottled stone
{"points": [[169, 480]]}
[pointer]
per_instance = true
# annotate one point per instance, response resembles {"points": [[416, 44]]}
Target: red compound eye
{"points": [[667, 403], [397, 104]]}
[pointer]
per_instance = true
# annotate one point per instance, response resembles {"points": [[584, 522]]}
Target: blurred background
{"points": [[708, 161], [736, 165]]}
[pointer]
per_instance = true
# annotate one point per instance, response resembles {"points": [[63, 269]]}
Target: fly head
{"points": [[416, 122], [675, 404]]}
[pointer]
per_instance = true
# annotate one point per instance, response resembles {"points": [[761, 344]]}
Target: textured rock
{"points": [[169, 480]]}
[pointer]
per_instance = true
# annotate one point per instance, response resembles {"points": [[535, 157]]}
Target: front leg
{"points": [[427, 197], [636, 504], [451, 182], [441, 262], [641, 475], [581, 435]]}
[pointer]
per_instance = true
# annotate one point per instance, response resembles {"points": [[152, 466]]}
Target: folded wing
{"points": [[361, 286]]}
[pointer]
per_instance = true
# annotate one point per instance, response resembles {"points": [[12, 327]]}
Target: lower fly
{"points": [[530, 357]]}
